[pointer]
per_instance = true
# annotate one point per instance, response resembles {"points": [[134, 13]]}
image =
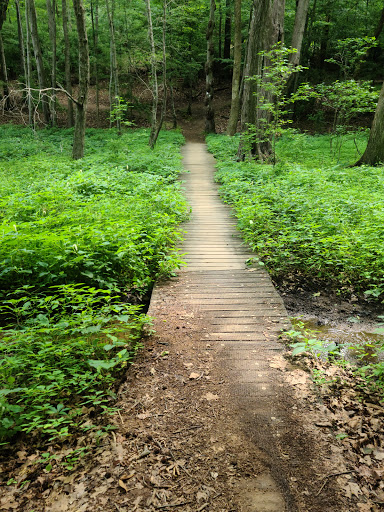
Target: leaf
{"points": [[299, 349], [210, 396], [193, 376], [122, 484], [100, 364]]}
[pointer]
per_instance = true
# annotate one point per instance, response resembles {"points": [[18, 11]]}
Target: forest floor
{"points": [[179, 444]]}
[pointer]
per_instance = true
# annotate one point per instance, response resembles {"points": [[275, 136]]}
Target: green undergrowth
{"points": [[310, 217], [81, 243], [363, 359]]}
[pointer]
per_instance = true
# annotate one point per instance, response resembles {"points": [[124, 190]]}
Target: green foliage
{"points": [[79, 241], [346, 101], [363, 359], [350, 53], [118, 114], [306, 341], [308, 217], [273, 102], [63, 357]]}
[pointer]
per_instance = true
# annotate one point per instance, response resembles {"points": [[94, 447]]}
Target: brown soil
{"points": [[181, 443]]}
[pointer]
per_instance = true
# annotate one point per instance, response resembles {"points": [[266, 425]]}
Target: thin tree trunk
{"points": [[374, 153], [51, 10], [174, 116], [30, 4], [4, 77], [380, 25], [236, 76], [81, 103], [3, 11], [210, 113], [21, 39], [369, 54], [31, 121], [297, 40], [3, 69], [114, 70], [155, 85], [67, 58], [227, 30], [95, 41], [164, 105]]}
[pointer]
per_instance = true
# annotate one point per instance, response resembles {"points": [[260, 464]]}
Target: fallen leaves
{"points": [[211, 397]]}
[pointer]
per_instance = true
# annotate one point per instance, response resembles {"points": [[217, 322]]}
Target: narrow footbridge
{"points": [[238, 308]]}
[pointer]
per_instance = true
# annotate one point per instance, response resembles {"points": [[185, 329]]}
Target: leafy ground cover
{"points": [[310, 216], [314, 220], [81, 243]]}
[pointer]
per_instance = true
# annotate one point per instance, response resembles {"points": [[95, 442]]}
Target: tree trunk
{"points": [[114, 86], [95, 40], [265, 30], [298, 30], [30, 5], [374, 153], [81, 103], [21, 39], [227, 30], [236, 76], [174, 116], [67, 59], [31, 120], [297, 40], [210, 114], [51, 10], [3, 64], [164, 105], [155, 85], [380, 25], [4, 77]]}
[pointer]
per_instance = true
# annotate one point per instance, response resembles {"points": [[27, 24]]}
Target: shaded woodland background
{"points": [[40, 55]]}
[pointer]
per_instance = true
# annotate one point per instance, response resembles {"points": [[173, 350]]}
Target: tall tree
{"points": [[32, 17], [374, 153], [210, 114], [227, 30], [81, 102], [95, 44], [3, 63], [236, 76], [28, 67], [302, 7], [67, 63], [114, 74], [51, 10], [20, 35], [266, 29], [155, 85]]}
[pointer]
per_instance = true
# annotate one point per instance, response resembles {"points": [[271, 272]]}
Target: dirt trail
{"points": [[235, 315]]}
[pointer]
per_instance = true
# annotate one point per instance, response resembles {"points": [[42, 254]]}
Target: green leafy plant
{"points": [[308, 218], [350, 53], [346, 100], [306, 341], [118, 114], [81, 245], [273, 100]]}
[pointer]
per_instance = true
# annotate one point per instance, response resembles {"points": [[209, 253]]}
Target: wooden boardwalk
{"points": [[237, 308], [241, 309]]}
